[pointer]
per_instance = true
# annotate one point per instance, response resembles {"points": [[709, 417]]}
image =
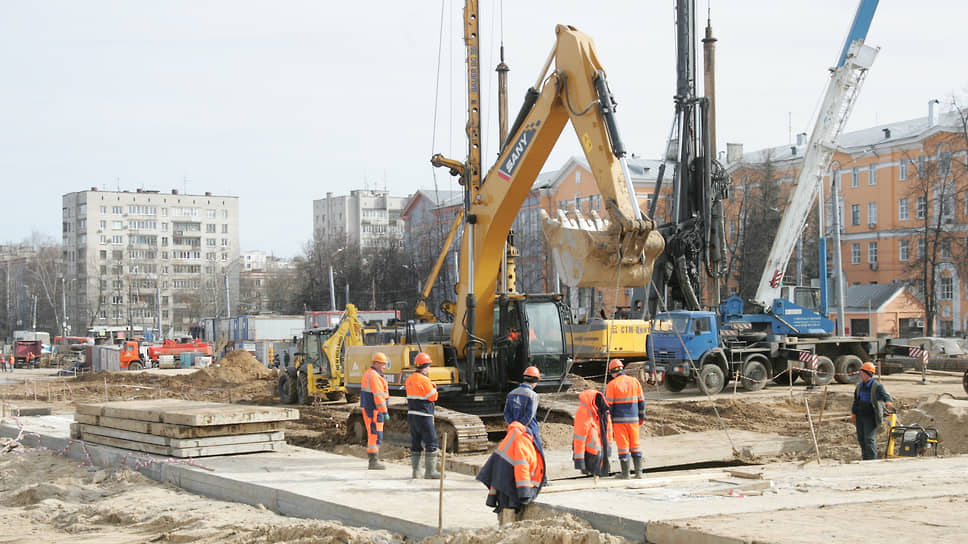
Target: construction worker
{"points": [[421, 395], [593, 433], [522, 404], [870, 398], [373, 403], [10, 362], [515, 471], [627, 404]]}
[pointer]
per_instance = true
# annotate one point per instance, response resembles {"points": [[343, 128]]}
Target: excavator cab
{"points": [[529, 330]]}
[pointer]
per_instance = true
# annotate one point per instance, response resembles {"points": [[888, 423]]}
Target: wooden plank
{"points": [[182, 452], [228, 414], [183, 442], [186, 431], [87, 419], [190, 413]]}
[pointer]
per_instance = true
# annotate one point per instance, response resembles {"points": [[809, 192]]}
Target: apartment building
{"points": [[894, 183], [364, 218], [137, 259]]}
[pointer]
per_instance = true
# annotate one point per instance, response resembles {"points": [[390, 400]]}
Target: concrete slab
{"points": [[669, 451], [182, 442], [179, 431], [191, 413], [669, 507]]}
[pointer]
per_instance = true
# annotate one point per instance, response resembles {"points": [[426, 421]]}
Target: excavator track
{"points": [[466, 433]]}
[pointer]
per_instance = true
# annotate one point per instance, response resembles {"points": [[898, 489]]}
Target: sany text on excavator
{"points": [[497, 333]]}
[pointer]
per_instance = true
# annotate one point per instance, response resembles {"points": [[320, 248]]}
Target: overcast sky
{"points": [[280, 102]]}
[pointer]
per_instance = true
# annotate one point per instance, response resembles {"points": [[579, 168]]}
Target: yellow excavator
{"points": [[318, 364], [498, 332]]}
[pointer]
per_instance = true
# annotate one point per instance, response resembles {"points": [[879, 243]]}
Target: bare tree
{"points": [[940, 238]]}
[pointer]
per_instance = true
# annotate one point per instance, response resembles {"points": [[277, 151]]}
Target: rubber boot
{"points": [[637, 462], [375, 463], [430, 466], [415, 464], [625, 469]]}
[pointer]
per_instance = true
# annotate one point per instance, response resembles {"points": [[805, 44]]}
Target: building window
{"points": [[920, 250], [210, 214], [903, 250], [117, 299], [872, 252], [872, 174], [946, 248], [118, 240], [225, 214], [902, 170], [944, 164], [117, 225], [225, 229], [921, 167], [872, 213], [855, 177], [902, 209], [103, 209], [210, 227], [922, 210], [855, 214], [854, 253], [946, 289], [117, 210]]}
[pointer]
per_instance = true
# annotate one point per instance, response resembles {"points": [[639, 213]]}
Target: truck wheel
{"points": [[711, 379], [135, 365], [285, 389], [823, 374], [754, 375], [848, 369], [676, 383], [302, 387]]}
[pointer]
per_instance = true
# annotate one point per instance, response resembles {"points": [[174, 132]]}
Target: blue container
{"points": [[187, 359]]}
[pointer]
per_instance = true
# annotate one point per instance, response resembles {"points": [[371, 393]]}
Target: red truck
{"points": [[173, 347], [27, 353]]}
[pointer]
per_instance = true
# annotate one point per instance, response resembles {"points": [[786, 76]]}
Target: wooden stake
{"points": [[440, 501], [816, 446], [106, 398], [790, 374], [823, 406], [735, 382]]}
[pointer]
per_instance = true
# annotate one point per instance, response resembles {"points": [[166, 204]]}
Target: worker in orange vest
{"points": [[421, 395], [593, 433], [515, 471], [373, 403], [627, 404]]}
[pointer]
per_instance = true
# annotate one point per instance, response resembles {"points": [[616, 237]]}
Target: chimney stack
{"points": [[931, 119], [734, 153], [174, 191]]}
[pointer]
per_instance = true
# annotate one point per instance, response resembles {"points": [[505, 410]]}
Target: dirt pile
{"points": [[237, 367], [48, 498], [539, 525]]}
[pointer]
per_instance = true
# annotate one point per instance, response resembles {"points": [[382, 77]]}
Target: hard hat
{"points": [[422, 359], [615, 364], [379, 357], [532, 371], [869, 368]]}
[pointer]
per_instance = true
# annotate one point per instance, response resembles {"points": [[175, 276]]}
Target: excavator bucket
{"points": [[600, 253]]}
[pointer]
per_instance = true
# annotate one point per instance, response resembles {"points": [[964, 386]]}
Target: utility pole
{"points": [[64, 306], [228, 307]]}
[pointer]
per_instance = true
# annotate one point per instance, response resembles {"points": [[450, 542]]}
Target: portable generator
{"points": [[913, 441]]}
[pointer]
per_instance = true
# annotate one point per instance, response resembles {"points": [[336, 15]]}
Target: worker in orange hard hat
{"points": [[373, 403], [870, 401], [522, 404], [421, 395], [515, 472], [627, 404]]}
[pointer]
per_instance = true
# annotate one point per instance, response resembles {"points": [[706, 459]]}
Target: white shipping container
{"points": [[264, 328]]}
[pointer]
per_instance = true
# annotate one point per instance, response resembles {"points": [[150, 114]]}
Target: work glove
{"points": [[853, 417]]}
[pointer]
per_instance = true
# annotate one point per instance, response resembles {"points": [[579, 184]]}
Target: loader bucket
{"points": [[600, 253]]}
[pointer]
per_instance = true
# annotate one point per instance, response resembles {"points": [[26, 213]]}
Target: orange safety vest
{"points": [[374, 392], [421, 395], [519, 451], [587, 429], [624, 397]]}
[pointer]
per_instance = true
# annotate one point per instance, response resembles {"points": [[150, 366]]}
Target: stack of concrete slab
{"points": [[181, 428]]}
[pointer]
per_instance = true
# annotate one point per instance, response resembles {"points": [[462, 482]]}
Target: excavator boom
{"points": [[619, 250]]}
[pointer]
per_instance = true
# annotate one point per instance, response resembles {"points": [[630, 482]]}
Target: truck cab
{"points": [[681, 341]]}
